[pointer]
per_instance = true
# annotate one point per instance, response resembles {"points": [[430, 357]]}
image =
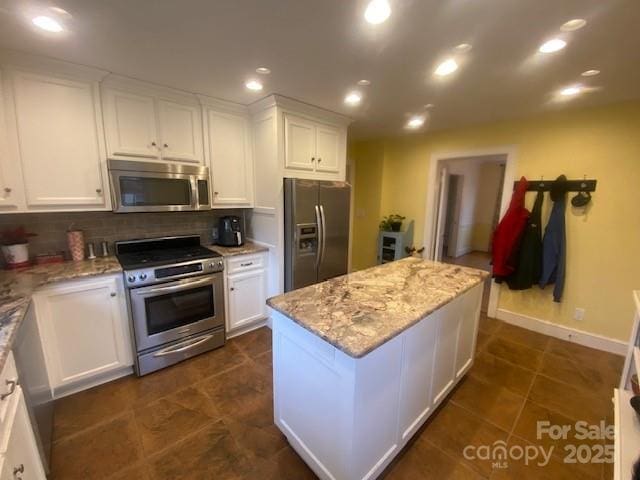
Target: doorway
{"points": [[466, 200]]}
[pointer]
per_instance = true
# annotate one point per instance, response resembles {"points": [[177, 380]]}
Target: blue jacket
{"points": [[554, 246]]}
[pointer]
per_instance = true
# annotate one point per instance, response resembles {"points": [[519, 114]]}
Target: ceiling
{"points": [[318, 50]]}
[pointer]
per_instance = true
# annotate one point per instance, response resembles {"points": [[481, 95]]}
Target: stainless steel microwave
{"points": [[158, 187]]}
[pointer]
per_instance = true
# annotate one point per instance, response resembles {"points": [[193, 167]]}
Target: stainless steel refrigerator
{"points": [[316, 223]]}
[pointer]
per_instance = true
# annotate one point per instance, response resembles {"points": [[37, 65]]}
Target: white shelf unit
{"points": [[627, 422]]}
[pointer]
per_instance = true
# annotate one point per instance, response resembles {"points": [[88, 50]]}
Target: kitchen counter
{"points": [[361, 361], [17, 287], [358, 312], [246, 249]]}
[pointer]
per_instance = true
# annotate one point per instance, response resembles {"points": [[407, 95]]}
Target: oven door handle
{"points": [[181, 347], [176, 288]]}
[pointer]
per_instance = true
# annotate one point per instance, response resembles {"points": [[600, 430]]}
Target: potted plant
{"points": [[15, 246], [391, 223]]}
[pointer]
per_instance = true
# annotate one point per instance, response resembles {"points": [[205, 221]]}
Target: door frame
{"points": [[431, 214]]}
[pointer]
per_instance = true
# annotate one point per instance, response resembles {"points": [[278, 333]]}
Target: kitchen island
{"points": [[362, 360]]}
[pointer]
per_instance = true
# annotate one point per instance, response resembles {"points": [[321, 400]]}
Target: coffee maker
{"points": [[230, 232]]}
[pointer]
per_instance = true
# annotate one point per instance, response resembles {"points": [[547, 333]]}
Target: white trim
{"points": [[509, 177], [569, 334]]}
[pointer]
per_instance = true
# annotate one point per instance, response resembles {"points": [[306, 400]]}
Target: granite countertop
{"points": [[358, 312], [17, 287], [247, 248]]}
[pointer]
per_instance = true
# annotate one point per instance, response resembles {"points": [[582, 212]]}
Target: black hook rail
{"points": [[570, 185]]}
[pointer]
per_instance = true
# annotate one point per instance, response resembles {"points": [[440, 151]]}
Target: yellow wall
{"points": [[603, 261]]}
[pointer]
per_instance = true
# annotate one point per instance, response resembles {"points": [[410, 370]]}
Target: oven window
{"points": [[149, 191], [179, 309]]}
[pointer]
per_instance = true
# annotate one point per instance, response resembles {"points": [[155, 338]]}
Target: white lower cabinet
{"points": [[85, 331], [349, 417], [19, 455], [246, 290]]}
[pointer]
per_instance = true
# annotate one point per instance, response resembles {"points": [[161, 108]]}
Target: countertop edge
{"points": [[248, 248], [378, 343]]}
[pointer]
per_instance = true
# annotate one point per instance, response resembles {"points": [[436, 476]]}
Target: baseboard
{"points": [[580, 337], [248, 328], [86, 384]]}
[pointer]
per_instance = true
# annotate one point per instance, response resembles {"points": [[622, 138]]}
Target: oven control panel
{"points": [[158, 274]]}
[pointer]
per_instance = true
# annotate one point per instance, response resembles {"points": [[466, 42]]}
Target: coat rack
{"points": [[571, 185]]}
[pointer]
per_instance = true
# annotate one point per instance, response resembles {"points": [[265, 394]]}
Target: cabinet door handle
{"points": [[319, 159], [248, 264], [98, 190], [12, 384], [153, 144], [313, 159], [215, 193], [7, 189], [166, 145], [113, 294], [231, 289]]}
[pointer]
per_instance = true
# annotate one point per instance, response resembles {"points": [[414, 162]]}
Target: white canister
{"points": [[16, 254]]}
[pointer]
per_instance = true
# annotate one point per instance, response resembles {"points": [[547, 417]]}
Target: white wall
{"points": [[489, 180], [469, 170], [481, 179]]}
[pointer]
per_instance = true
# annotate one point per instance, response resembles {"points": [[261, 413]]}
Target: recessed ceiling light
{"points": [[377, 11], [364, 83], [253, 85], [416, 121], [463, 47], [429, 105], [47, 23], [552, 45], [574, 24], [590, 73], [571, 91], [263, 71], [353, 98], [446, 68]]}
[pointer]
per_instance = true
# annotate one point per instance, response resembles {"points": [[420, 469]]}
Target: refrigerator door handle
{"points": [[324, 233], [319, 236]]}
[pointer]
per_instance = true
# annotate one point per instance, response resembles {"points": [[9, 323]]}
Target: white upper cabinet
{"points": [[181, 131], [11, 186], [146, 122], [58, 134], [300, 143], [313, 147], [230, 159], [130, 125], [327, 149]]}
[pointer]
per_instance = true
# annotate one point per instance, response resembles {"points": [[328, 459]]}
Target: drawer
{"points": [[8, 384], [242, 263]]}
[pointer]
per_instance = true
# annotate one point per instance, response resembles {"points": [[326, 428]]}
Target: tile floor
{"points": [[475, 259], [211, 417]]}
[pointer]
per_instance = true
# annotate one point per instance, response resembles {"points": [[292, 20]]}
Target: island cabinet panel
{"points": [[419, 350], [348, 417], [468, 330], [448, 321]]}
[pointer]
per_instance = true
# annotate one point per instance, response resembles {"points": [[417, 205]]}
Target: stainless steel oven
{"points": [[171, 311], [138, 186]]}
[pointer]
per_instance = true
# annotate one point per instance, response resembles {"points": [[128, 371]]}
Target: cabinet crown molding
{"points": [[141, 87], [221, 105], [14, 60], [300, 108]]}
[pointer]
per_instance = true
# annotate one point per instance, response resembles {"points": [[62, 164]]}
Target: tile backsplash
{"points": [[51, 228]]}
